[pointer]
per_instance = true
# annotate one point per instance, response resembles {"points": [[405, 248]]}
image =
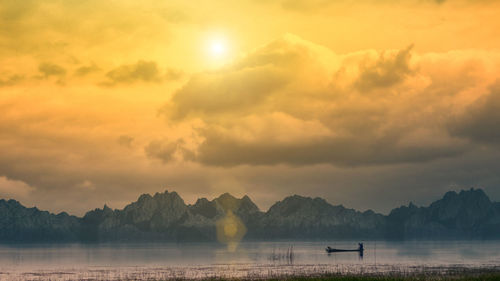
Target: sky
{"points": [[370, 103]]}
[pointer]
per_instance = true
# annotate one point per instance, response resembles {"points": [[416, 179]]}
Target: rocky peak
{"points": [[219, 206], [167, 206], [201, 201], [297, 204], [228, 202], [248, 205], [144, 198], [11, 203], [472, 203], [159, 199], [204, 208]]}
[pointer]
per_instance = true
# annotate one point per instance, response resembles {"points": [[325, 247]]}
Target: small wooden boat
{"points": [[333, 250]]}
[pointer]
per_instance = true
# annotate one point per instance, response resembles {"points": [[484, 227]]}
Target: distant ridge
{"points": [[469, 214]]}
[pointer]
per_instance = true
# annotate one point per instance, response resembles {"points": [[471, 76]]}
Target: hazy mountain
{"points": [[155, 217], [468, 214], [20, 224], [298, 217], [166, 217]]}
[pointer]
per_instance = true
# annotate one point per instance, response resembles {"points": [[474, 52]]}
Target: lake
{"points": [[247, 259]]}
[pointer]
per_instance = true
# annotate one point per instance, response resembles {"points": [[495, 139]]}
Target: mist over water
{"points": [[249, 259]]}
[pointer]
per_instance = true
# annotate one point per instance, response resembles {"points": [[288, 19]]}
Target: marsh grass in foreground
{"points": [[434, 274], [225, 273], [480, 277]]}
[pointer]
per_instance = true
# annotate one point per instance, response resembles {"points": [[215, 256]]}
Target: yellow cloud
{"points": [[363, 109]]}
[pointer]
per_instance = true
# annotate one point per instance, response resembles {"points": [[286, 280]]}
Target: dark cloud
{"points": [[166, 151], [229, 150], [125, 140], [87, 69], [142, 71], [11, 80], [162, 150], [51, 69], [387, 71], [220, 151], [481, 120]]}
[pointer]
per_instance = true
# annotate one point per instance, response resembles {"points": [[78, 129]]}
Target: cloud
{"points": [[221, 151], [296, 103], [11, 80], [226, 91], [146, 71], [51, 69], [247, 84], [87, 69], [167, 150], [290, 116], [86, 185], [125, 140], [14, 189], [480, 121], [58, 28], [173, 74], [301, 5], [174, 15], [142, 71], [386, 71], [305, 6]]}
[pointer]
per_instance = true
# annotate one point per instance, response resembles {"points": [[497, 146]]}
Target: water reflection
{"points": [[413, 249], [205, 258], [359, 254]]}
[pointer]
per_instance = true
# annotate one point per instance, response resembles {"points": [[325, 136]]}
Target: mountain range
{"points": [[468, 214]]}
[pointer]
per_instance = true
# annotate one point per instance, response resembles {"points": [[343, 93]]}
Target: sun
{"points": [[217, 48]]}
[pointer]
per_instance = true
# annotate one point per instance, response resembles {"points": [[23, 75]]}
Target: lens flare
{"points": [[230, 230]]}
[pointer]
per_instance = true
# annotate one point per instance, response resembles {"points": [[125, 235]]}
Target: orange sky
{"points": [[366, 103]]}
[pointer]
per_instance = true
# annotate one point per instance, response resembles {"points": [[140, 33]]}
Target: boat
{"points": [[360, 249]]}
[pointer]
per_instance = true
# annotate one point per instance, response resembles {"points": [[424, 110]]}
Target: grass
{"points": [[417, 273], [480, 277], [462, 277]]}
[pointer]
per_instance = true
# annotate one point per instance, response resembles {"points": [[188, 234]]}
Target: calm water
{"points": [[248, 259]]}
